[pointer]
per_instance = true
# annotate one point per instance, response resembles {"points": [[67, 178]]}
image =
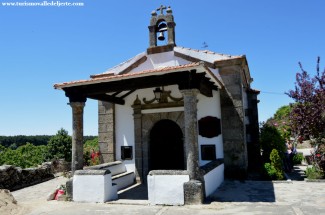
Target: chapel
{"points": [[177, 119]]}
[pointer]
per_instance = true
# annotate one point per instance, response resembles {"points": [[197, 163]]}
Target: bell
{"points": [[161, 36], [162, 27]]}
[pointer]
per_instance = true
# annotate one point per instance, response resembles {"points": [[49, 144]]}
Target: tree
{"points": [[281, 121], [24, 156], [274, 169], [308, 113], [270, 138], [59, 146]]}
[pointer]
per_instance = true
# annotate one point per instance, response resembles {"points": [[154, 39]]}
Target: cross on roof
{"points": [[161, 8]]}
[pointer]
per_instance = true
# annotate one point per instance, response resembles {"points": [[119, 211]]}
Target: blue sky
{"points": [[41, 46]]}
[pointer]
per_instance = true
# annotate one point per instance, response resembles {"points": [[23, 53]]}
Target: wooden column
{"points": [[77, 136]]}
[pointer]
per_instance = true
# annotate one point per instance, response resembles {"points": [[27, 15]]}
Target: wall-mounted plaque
{"points": [[209, 127], [208, 152], [126, 153]]}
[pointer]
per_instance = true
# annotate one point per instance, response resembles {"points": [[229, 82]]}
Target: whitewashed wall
{"points": [[124, 131], [210, 106], [213, 179], [207, 106], [93, 188], [160, 60], [125, 123], [166, 189]]}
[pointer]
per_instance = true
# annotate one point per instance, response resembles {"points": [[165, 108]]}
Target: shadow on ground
{"points": [[253, 190], [244, 191], [229, 191], [298, 173], [136, 192]]}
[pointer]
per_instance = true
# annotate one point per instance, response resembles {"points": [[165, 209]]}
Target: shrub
{"points": [[313, 173], [274, 169], [270, 171], [297, 158], [271, 139], [24, 156], [88, 147]]}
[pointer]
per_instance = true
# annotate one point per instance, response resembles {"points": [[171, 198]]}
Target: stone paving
{"points": [[233, 197]]}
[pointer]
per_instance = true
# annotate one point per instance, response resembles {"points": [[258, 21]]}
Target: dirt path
{"points": [[25, 200]]}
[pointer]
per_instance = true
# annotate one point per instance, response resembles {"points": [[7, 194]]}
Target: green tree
{"points": [[281, 120], [24, 156], [274, 168], [270, 139], [59, 146]]}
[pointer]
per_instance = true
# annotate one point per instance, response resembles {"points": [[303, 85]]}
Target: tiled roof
{"points": [[113, 77]]}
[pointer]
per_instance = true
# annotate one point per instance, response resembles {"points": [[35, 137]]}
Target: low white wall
{"points": [[166, 189], [214, 179], [93, 188]]}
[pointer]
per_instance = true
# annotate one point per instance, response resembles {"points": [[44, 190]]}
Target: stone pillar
{"points": [[191, 133], [233, 122], [77, 136], [194, 189], [137, 117]]}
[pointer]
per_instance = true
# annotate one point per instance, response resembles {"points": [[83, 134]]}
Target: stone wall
{"points": [[233, 124], [14, 178], [106, 133]]}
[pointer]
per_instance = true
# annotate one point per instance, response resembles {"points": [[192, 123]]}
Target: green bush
{"points": [[297, 158], [88, 146], [313, 173], [59, 146], [274, 169], [270, 170], [270, 139], [24, 156]]}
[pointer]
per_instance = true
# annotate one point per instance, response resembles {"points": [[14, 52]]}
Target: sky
{"points": [[41, 46]]}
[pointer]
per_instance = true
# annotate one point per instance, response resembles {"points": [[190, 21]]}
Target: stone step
{"points": [[124, 180], [116, 167]]}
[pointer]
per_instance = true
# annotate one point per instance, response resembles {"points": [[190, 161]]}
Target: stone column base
{"points": [[69, 189], [193, 192]]}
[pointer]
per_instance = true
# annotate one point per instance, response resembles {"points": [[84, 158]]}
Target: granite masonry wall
{"points": [[14, 178]]}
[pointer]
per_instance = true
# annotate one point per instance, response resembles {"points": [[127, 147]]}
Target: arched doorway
{"points": [[166, 146]]}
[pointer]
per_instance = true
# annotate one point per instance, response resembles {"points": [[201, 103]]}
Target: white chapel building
{"points": [[176, 119]]}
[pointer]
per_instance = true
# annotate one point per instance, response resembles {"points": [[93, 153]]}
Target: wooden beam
{"points": [[126, 94], [185, 80], [108, 98], [130, 84]]}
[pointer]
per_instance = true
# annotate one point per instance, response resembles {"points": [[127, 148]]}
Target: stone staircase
{"points": [[120, 176]]}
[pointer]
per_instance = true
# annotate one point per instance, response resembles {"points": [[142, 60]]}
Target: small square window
{"points": [[208, 152], [126, 153]]}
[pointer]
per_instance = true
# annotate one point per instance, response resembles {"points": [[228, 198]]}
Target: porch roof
{"points": [[193, 75]]}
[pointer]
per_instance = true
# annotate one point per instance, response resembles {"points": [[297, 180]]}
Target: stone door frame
{"points": [[144, 122]]}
